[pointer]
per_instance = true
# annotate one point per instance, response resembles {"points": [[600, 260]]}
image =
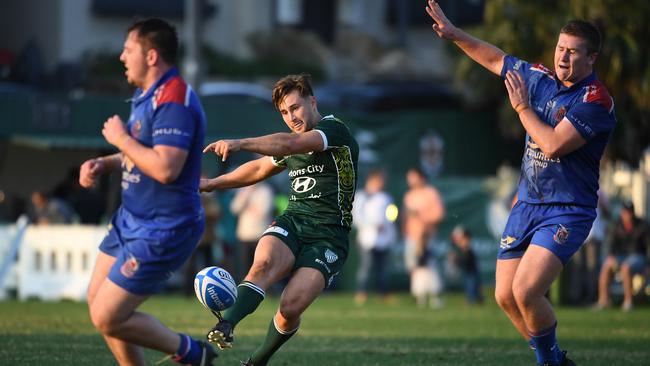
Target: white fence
{"points": [[54, 262]]}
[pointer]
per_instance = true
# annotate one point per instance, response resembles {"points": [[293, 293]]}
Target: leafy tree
{"points": [[529, 30]]}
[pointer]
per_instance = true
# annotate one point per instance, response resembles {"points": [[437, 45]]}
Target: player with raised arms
{"points": [[568, 116]]}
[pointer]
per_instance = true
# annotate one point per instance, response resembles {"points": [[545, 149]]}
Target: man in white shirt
{"points": [[375, 234]]}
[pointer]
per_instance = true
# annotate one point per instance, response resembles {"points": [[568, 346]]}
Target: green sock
{"points": [[249, 297], [275, 338]]}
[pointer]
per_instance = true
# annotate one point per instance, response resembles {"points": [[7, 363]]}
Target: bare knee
{"points": [[104, 322], [291, 308], [505, 298], [525, 295]]}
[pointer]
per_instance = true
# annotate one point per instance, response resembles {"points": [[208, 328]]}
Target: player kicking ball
{"points": [[309, 241], [568, 116]]}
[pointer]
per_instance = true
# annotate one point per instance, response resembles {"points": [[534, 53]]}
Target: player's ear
{"points": [[152, 57], [312, 101]]}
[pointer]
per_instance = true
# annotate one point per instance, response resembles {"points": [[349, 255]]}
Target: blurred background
{"points": [[411, 100]]}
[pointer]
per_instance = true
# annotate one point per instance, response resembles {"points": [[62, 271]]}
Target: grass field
{"points": [[336, 332]]}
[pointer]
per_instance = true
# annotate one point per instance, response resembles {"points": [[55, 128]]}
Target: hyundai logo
{"points": [[303, 184]]}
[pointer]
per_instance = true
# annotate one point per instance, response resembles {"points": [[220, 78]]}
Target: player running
{"points": [[160, 220]]}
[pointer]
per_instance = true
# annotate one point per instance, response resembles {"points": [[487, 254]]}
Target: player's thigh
{"points": [[103, 264], [113, 304], [303, 288], [273, 259], [538, 268]]}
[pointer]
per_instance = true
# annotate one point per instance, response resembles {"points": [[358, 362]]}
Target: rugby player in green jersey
{"points": [[309, 241]]}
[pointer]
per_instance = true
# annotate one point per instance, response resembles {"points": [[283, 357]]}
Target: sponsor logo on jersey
{"points": [[277, 230], [330, 256], [127, 175], [303, 184], [505, 242], [130, 267], [311, 169], [562, 234]]}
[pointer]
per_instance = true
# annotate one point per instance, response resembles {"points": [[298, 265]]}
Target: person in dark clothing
{"points": [[463, 256], [627, 244]]}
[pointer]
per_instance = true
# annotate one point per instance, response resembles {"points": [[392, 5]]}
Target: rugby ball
{"points": [[215, 288]]}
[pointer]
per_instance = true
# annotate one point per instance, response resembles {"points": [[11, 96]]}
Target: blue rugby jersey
{"points": [[170, 114], [572, 178]]}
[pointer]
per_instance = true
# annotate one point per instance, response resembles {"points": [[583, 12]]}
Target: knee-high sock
{"points": [[275, 338], [249, 297], [545, 345]]}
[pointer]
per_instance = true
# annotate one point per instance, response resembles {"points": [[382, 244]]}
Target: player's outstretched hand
{"points": [[441, 25], [223, 148], [517, 91], [89, 172]]}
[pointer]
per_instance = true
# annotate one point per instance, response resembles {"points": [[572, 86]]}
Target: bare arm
{"points": [[486, 54], [555, 141], [277, 144], [162, 163], [245, 175]]}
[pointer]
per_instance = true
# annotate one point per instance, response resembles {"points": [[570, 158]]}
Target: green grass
{"points": [[336, 332]]}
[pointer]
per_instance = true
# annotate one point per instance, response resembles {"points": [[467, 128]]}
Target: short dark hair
{"points": [[585, 30], [289, 83], [157, 34], [419, 172]]}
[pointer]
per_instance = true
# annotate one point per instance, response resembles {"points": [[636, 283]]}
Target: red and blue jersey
{"points": [[170, 114], [573, 178]]}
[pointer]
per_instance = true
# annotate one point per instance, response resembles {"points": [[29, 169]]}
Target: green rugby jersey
{"points": [[323, 182]]}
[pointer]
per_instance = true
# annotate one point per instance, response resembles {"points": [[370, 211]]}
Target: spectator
{"points": [[49, 210], [627, 243], [424, 210], [375, 234], [89, 204], [583, 270], [463, 257], [254, 207]]}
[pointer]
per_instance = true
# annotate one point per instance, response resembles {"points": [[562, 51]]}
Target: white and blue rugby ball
{"points": [[215, 288]]}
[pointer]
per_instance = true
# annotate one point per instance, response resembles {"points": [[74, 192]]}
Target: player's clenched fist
{"points": [[223, 148], [89, 171], [114, 131]]}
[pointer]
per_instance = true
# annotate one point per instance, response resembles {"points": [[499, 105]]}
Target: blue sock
{"points": [[189, 350], [545, 346]]}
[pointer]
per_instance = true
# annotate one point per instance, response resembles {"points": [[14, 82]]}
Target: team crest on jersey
{"points": [[559, 115], [136, 128], [130, 267], [561, 235], [330, 256]]}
